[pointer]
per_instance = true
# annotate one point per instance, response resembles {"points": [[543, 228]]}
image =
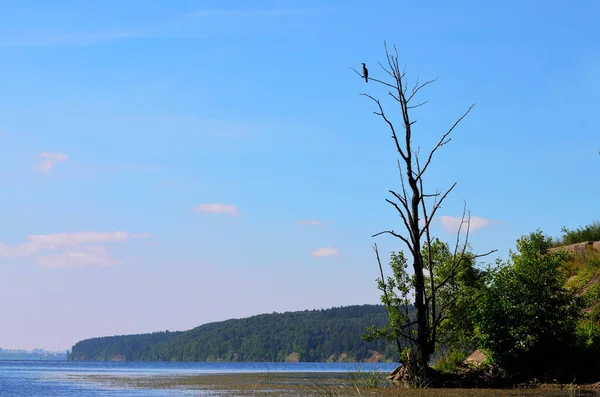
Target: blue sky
{"points": [[168, 163]]}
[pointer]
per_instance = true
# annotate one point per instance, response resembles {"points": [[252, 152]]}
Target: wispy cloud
{"points": [[48, 161], [77, 249], [182, 26], [68, 239], [140, 235], [311, 222], [76, 259], [217, 208], [325, 252], [452, 223]]}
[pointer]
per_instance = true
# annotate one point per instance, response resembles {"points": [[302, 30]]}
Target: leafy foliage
{"points": [[315, 335], [396, 298], [526, 318], [458, 284]]}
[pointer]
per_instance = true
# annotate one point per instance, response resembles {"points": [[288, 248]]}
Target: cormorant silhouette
{"points": [[365, 72]]}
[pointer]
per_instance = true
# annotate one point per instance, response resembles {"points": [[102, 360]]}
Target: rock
{"points": [[394, 373], [400, 377], [292, 358], [577, 248], [476, 358]]}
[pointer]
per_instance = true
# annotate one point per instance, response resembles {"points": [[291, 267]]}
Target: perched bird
{"points": [[365, 72]]}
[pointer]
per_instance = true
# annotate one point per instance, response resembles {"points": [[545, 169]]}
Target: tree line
{"points": [[314, 335]]}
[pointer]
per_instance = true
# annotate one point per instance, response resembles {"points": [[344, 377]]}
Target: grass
{"points": [[589, 232], [334, 391], [371, 379], [358, 380], [582, 269], [451, 362]]}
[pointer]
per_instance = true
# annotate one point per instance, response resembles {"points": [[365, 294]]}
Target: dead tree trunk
{"points": [[412, 205]]}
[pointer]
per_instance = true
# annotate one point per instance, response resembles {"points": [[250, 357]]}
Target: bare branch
{"points": [[443, 141], [399, 212], [373, 79], [458, 259], [389, 123], [401, 199], [397, 236], [416, 106], [418, 88], [436, 206], [385, 69]]}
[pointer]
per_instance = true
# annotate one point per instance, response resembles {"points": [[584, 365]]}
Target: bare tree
{"points": [[417, 209]]}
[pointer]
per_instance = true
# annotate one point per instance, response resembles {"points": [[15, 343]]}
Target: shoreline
{"points": [[296, 384]]}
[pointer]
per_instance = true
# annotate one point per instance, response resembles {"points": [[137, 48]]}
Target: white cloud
{"points": [[66, 239], [49, 160], [217, 208], [20, 250], [325, 252], [99, 250], [452, 223], [76, 259], [78, 249]]}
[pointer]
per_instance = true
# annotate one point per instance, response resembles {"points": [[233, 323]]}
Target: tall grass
{"points": [[335, 391], [451, 362], [589, 232], [358, 380], [371, 379]]}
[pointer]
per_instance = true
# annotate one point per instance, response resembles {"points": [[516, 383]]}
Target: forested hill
{"points": [[310, 335]]}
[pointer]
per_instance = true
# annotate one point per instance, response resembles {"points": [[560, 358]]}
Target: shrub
{"points": [[526, 318]]}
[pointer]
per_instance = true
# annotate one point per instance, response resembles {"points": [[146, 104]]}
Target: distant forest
{"points": [[308, 336]]}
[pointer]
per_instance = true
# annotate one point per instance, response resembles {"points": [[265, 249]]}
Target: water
{"points": [[59, 378]]}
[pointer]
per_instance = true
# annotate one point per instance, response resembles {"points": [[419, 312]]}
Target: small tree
{"points": [[417, 209]]}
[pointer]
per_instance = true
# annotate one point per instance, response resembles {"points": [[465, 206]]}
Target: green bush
{"points": [[526, 318]]}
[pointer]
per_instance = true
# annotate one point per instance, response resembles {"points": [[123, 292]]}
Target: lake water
{"points": [[56, 378]]}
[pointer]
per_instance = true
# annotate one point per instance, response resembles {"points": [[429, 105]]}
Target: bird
{"points": [[365, 72]]}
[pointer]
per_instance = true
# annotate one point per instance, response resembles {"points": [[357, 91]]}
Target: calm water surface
{"points": [[55, 378]]}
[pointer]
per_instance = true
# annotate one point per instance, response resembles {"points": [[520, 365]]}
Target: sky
{"points": [[164, 164]]}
